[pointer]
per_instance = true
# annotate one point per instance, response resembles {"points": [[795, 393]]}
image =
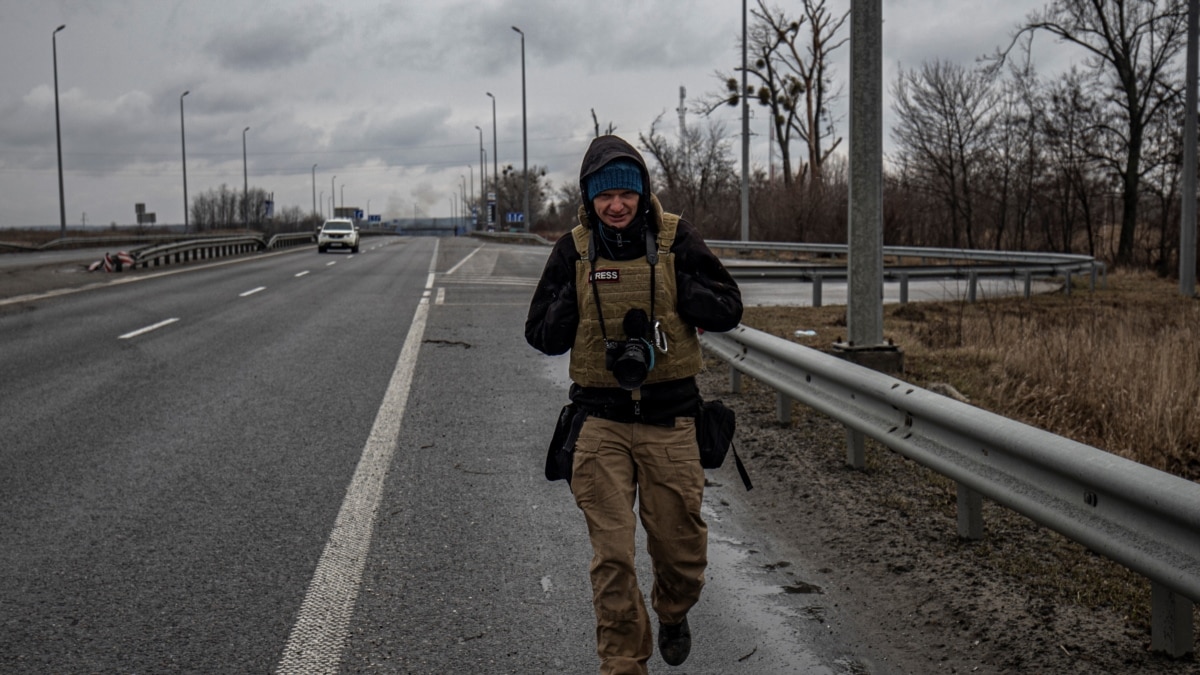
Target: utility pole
{"points": [[1187, 228], [745, 138]]}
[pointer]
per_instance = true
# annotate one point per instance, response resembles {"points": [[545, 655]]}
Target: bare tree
{"points": [[1162, 183], [817, 125], [943, 134], [610, 129], [1135, 44], [1073, 181], [697, 174], [791, 71], [510, 190]]}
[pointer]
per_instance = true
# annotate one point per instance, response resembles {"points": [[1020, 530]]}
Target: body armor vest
{"points": [[623, 285]]}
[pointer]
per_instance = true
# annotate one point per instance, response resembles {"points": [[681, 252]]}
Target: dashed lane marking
{"points": [[147, 329]]}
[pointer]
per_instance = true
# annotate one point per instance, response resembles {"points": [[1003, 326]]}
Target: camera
{"points": [[632, 359]]}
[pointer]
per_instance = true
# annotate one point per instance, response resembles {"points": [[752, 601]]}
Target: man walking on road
{"points": [[624, 292]]}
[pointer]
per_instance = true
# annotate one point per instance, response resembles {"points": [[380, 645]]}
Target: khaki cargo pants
{"points": [[615, 463]]}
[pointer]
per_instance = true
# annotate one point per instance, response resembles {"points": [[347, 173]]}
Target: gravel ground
{"points": [[886, 537]]}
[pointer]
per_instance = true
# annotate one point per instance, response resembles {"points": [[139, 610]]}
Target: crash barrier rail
{"points": [[1142, 518], [1026, 266], [520, 237], [155, 255]]}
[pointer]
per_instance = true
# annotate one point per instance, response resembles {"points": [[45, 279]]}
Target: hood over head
{"points": [[602, 151]]}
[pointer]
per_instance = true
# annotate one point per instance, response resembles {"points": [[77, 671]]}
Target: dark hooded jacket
{"points": [[707, 296]]}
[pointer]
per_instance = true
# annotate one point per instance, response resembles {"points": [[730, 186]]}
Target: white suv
{"points": [[338, 233]]}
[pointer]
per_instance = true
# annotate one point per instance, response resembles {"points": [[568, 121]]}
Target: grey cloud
{"points": [[286, 40]]}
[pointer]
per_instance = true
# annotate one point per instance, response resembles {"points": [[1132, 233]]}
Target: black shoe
{"points": [[674, 642]]}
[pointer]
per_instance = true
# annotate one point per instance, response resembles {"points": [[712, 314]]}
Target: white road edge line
{"points": [[319, 635], [301, 274], [252, 291], [147, 329]]}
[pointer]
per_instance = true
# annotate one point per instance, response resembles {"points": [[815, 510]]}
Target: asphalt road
{"points": [[325, 463]]}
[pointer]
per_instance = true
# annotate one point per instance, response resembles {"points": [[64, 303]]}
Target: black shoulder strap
{"points": [[741, 468]]}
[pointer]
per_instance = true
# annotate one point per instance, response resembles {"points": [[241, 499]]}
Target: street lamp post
{"points": [[495, 156], [183, 149], [314, 184], [332, 195], [62, 202], [245, 183], [482, 175], [343, 195], [524, 136]]}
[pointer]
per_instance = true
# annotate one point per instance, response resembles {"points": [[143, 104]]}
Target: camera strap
{"points": [[651, 258]]}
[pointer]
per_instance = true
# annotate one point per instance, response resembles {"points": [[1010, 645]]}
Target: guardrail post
{"points": [[783, 408], [735, 380], [1067, 285], [1170, 622], [972, 282], [1028, 283], [970, 513], [904, 288], [816, 290], [856, 453]]}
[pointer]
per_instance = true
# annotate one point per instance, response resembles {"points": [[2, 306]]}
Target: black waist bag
{"points": [[714, 434], [561, 453]]}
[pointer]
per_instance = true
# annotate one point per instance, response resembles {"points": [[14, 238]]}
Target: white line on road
{"points": [[462, 262], [300, 274], [252, 291], [323, 625], [147, 329]]}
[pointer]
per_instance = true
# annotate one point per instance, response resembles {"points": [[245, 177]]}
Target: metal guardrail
{"points": [[1144, 519], [155, 255], [195, 249], [1022, 257], [520, 237], [985, 264]]}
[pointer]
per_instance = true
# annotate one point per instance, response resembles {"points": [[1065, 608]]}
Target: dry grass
{"points": [[1118, 368]]}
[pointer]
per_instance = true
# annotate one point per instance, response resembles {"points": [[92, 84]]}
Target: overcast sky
{"points": [[384, 95]]}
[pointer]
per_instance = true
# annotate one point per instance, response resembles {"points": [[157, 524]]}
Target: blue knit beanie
{"points": [[619, 174]]}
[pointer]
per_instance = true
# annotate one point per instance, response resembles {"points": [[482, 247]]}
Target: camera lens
{"points": [[632, 366]]}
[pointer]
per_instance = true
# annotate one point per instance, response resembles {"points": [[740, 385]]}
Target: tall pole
{"points": [[62, 201], [745, 138], [864, 262], [495, 156], [314, 184], [332, 194], [1187, 229], [524, 138], [864, 322], [343, 195], [482, 176], [183, 149], [245, 183]]}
